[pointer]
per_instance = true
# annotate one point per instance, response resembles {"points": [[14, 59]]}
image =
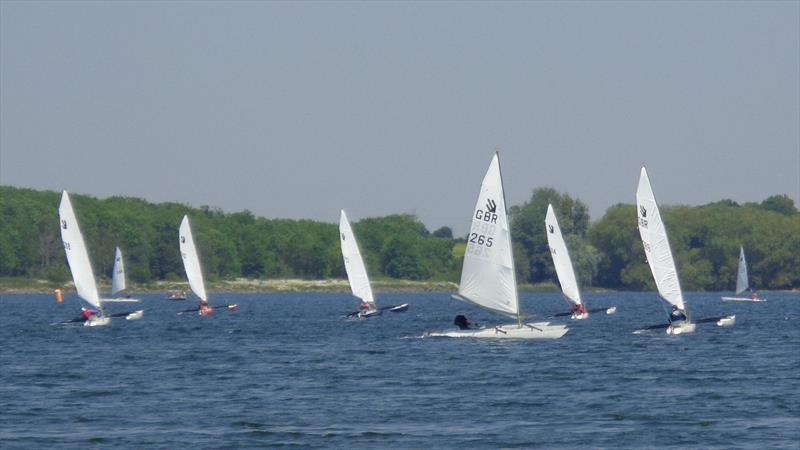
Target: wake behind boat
{"points": [[565, 271], [743, 283], [194, 273], [357, 274], [81, 268], [662, 264], [488, 278]]}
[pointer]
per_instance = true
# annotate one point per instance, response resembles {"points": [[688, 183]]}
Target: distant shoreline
{"points": [[244, 285], [34, 286]]}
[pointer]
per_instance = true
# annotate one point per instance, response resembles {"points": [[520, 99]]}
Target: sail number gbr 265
{"points": [[481, 236]]}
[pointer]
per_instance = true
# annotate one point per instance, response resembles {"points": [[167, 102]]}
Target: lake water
{"points": [[287, 370]]}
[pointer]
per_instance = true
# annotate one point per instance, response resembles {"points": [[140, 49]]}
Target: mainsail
{"points": [[191, 262], [656, 243], [118, 277], [77, 255], [353, 263], [741, 277], [487, 276], [561, 259]]}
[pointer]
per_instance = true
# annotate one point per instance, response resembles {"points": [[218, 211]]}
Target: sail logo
{"points": [[342, 236], [488, 216], [642, 220], [64, 224], [183, 239], [552, 230]]}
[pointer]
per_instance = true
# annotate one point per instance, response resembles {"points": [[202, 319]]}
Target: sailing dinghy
{"points": [[194, 273], [357, 274], [487, 277], [565, 271], [742, 283], [118, 281], [81, 269], [662, 264]]}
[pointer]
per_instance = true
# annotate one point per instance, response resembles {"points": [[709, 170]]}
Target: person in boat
{"points": [[88, 313], [204, 309], [677, 315], [579, 309], [753, 295], [462, 322]]}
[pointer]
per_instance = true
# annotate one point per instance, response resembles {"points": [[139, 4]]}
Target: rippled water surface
{"points": [[287, 370]]}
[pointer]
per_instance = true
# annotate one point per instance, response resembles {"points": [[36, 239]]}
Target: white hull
{"points": [[539, 330], [120, 300], [728, 321], [743, 299], [97, 321], [682, 328], [611, 310], [582, 316], [136, 315]]}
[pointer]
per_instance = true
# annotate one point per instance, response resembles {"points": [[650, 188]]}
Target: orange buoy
{"points": [[59, 296]]}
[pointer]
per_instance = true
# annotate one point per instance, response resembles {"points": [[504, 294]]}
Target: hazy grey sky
{"points": [[296, 110]]}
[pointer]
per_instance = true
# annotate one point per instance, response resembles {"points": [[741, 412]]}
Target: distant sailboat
{"points": [[487, 278], [742, 282], [357, 273], [662, 264], [118, 282], [81, 269], [565, 271], [194, 273]]}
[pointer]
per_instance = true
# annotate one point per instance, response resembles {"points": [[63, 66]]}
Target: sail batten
{"points": [[191, 261], [561, 259], [656, 243], [742, 282], [118, 276], [487, 276], [77, 255], [354, 263]]}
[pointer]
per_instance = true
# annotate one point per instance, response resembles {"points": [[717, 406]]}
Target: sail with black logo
{"points": [[487, 276]]}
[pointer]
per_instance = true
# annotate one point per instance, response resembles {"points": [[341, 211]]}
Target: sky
{"points": [[299, 109]]}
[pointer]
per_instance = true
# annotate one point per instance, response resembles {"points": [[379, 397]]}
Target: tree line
{"points": [[606, 253]]}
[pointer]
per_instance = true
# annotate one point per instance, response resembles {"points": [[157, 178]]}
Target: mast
{"points": [[510, 240]]}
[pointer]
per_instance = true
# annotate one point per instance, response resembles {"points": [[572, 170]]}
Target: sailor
{"points": [[579, 309], [364, 307], [754, 295], [88, 313], [204, 309], [462, 322], [677, 314]]}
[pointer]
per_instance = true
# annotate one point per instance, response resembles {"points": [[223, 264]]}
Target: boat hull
{"points": [[682, 328], [539, 330], [743, 299], [97, 321], [136, 315]]}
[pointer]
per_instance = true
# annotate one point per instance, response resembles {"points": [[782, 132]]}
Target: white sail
{"points": [[656, 243], [741, 277], [191, 261], [118, 277], [487, 276], [77, 255], [561, 259], [353, 263]]}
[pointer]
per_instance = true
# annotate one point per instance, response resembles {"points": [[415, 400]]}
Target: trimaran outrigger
{"points": [[662, 264], [194, 273], [487, 277], [357, 274], [565, 271], [81, 268]]}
